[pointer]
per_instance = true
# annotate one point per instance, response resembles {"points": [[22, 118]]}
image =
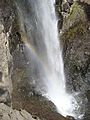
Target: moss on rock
{"points": [[76, 15], [76, 46], [80, 28]]}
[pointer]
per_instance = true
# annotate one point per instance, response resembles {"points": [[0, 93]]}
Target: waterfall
{"points": [[42, 46]]}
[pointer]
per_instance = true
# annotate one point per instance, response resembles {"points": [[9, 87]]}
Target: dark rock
{"points": [[58, 6], [5, 96], [76, 48], [65, 7], [59, 2], [2, 91], [70, 2], [70, 117], [0, 76], [87, 10]]}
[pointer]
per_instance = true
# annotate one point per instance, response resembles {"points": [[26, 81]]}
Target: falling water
{"points": [[39, 23]]}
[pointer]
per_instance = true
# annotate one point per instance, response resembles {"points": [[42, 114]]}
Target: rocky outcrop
{"points": [[5, 59], [7, 113], [9, 38], [74, 27], [23, 94], [75, 36], [75, 16]]}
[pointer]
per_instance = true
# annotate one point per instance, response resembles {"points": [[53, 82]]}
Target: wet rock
{"points": [[59, 2], [58, 6], [70, 117], [76, 48], [75, 38]]}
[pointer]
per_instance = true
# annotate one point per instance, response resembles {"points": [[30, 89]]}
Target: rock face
{"points": [[75, 35], [85, 1], [17, 68], [7, 113], [74, 27], [8, 41], [5, 59]]}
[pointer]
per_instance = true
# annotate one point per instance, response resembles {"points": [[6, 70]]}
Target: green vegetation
{"points": [[76, 12], [78, 29], [74, 23]]}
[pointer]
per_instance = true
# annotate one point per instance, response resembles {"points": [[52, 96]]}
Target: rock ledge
{"points": [[7, 113]]}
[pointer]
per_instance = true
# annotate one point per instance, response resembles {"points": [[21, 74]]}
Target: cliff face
{"points": [[8, 42], [5, 57], [75, 36], [74, 28], [15, 71]]}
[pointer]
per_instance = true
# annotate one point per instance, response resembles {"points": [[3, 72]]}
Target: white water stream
{"points": [[44, 45]]}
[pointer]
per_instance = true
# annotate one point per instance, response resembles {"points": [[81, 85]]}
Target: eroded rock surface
{"points": [[5, 58], [75, 35], [7, 113], [23, 95]]}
